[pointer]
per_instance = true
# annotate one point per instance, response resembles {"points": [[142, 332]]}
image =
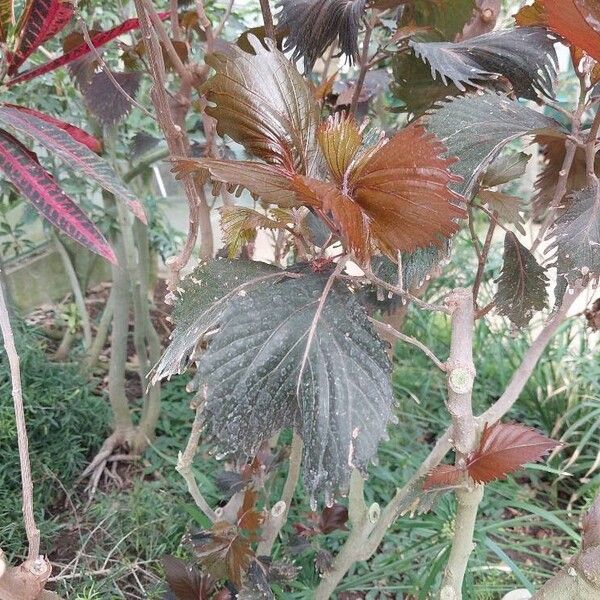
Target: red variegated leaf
{"points": [[77, 156], [79, 135], [577, 21], [39, 188], [443, 476], [40, 20], [99, 39], [505, 448]]}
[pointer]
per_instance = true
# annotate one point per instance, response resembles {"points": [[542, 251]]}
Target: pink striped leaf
{"points": [[79, 135], [98, 39], [41, 20], [36, 185], [76, 155]]}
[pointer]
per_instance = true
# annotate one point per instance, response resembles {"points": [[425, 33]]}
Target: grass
{"points": [[527, 526]]}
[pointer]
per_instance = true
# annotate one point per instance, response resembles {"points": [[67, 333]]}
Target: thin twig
{"points": [[31, 529], [267, 18], [386, 328], [364, 67], [482, 260]]}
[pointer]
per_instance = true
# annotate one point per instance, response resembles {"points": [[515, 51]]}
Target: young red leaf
{"points": [[332, 518], [37, 186], [41, 20], [577, 21], [99, 39], [79, 135], [505, 448], [185, 581], [443, 476], [249, 519], [77, 156]]}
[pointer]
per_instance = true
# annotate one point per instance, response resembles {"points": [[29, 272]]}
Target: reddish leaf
{"points": [[333, 518], [98, 39], [76, 155], [504, 448], [185, 581], [41, 20], [443, 476], [249, 519], [577, 21], [37, 186], [79, 135]]}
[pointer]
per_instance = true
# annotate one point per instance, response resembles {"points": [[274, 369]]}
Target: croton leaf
{"points": [[476, 127], [281, 359], [577, 21], [78, 134], [38, 187], [522, 283], [313, 25], [262, 102], [79, 51], [40, 20], [203, 295], [7, 18], [503, 449], [106, 101], [76, 155], [524, 56], [575, 236]]}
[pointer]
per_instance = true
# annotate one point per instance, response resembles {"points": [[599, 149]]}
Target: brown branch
{"points": [[267, 18], [364, 67]]}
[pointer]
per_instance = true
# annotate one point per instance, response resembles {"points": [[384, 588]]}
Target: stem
{"points": [[267, 19], [278, 518], [76, 289], [31, 530], [590, 150], [184, 467], [101, 332], [461, 375], [364, 67], [482, 259]]}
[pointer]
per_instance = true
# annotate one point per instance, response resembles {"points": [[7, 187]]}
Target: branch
{"points": [[386, 328], [267, 19], [364, 67], [184, 467], [482, 259]]}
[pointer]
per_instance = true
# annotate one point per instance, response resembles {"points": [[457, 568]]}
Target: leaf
{"points": [[239, 225], [333, 518], [476, 127], [39, 188], [203, 296], [263, 103], [98, 39], [508, 208], [575, 235], [524, 56], [106, 101], [577, 21], [224, 552], [79, 135], [7, 18], [446, 18], [505, 169], [40, 21], [522, 283], [76, 156], [249, 519], [271, 183], [443, 476], [185, 581], [505, 448], [313, 25], [281, 358]]}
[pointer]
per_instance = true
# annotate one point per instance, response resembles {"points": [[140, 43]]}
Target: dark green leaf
{"points": [[276, 362], [522, 283], [524, 56], [446, 17], [262, 102], [505, 168], [313, 25], [203, 297], [475, 128], [576, 236]]}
